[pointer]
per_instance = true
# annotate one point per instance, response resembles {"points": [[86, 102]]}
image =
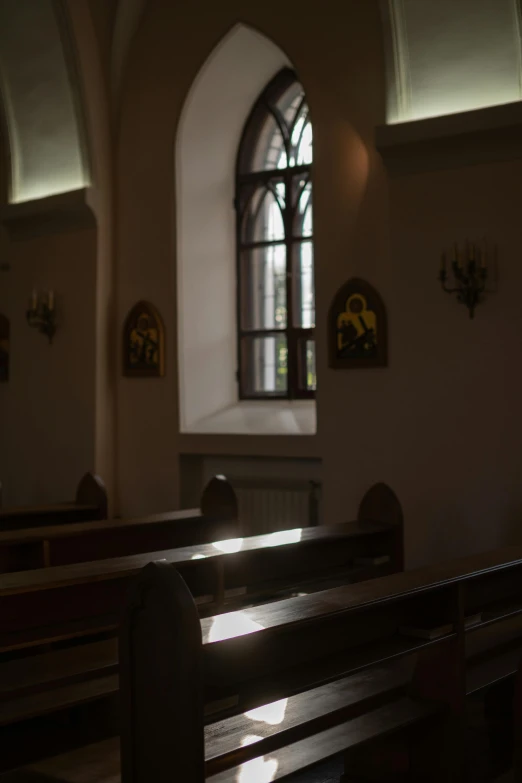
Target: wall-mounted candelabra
{"points": [[41, 313], [469, 266]]}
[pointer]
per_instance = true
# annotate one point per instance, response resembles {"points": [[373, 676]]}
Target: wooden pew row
{"points": [[81, 542], [47, 605], [271, 653], [90, 503], [340, 665], [56, 682]]}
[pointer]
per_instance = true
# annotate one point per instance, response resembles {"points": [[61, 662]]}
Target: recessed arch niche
{"points": [[209, 131]]}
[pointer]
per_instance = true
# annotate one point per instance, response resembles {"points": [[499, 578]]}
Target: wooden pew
{"points": [[90, 503], [351, 673], [470, 614], [344, 672], [58, 603], [81, 542]]}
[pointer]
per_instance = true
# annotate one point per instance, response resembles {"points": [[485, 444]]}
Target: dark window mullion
{"points": [[291, 345], [275, 174]]}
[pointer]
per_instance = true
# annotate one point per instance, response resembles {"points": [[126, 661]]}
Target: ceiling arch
{"points": [[128, 17], [41, 101]]}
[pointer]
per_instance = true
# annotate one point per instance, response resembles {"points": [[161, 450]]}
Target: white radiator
{"points": [[266, 506]]}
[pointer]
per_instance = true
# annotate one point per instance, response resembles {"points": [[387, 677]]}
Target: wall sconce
{"points": [[41, 313], [470, 273]]}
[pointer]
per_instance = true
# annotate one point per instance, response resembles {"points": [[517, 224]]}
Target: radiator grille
{"points": [[266, 507]]}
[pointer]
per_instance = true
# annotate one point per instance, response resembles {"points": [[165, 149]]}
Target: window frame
{"points": [[295, 335]]}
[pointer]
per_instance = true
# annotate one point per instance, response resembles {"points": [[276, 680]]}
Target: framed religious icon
{"points": [[4, 349], [144, 343], [357, 329]]}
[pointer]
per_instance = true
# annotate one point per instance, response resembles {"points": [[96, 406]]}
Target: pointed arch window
{"points": [[276, 297]]}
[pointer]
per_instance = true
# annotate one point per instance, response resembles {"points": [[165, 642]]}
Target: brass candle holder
{"points": [[41, 314], [470, 274]]}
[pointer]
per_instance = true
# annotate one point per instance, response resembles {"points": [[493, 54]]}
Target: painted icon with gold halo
{"points": [[143, 342], [357, 329]]}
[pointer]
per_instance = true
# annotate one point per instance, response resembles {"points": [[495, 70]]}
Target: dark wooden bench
{"points": [[297, 647], [51, 604], [90, 503], [230, 573], [80, 542], [282, 686]]}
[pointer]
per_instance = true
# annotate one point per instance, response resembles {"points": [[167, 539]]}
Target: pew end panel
{"points": [[160, 675], [91, 491], [381, 504], [219, 503]]}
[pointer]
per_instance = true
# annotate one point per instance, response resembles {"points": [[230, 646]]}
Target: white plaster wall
{"points": [[209, 133]]}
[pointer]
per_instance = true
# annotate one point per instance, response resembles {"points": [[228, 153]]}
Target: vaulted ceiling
{"points": [[443, 56]]}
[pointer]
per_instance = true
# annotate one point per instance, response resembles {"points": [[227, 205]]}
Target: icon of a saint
{"points": [[357, 330]]}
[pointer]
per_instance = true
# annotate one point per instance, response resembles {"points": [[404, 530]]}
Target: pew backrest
{"points": [[79, 542], [90, 503], [51, 603]]}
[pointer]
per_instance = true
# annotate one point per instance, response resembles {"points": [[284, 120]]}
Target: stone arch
{"points": [[166, 55], [206, 260]]}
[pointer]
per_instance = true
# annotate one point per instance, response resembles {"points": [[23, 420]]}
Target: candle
{"points": [[34, 299], [50, 300], [443, 262]]}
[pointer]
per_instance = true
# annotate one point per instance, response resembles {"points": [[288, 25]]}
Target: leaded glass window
{"points": [[276, 298]]}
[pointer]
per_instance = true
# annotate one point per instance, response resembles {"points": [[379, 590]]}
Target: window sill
{"points": [[271, 417]]}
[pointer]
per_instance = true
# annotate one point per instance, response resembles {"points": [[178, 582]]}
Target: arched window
{"points": [[276, 301]]}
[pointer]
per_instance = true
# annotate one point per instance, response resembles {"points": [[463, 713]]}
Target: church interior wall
{"points": [[441, 424], [414, 424], [47, 435]]}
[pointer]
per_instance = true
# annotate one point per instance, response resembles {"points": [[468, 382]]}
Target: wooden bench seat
{"points": [[313, 710], [95, 763], [100, 763], [276, 725], [25, 639], [344, 737], [53, 700], [57, 668]]}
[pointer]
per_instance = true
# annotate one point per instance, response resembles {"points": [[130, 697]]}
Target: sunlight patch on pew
{"points": [[229, 546], [259, 770], [198, 557], [284, 537], [273, 714], [228, 626]]}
